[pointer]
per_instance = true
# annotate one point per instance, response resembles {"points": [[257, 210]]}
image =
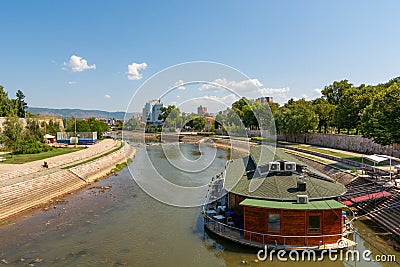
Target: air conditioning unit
{"points": [[302, 199], [274, 166], [290, 166]]}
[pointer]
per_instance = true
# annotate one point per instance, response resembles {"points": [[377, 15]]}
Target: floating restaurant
{"points": [[272, 199]]}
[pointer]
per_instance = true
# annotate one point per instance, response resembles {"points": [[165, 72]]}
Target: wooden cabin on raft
{"points": [[270, 198]]}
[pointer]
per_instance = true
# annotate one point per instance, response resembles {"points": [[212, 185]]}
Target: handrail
{"points": [[270, 235]]}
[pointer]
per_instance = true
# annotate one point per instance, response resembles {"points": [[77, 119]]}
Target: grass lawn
{"points": [[24, 158], [93, 159], [333, 153]]}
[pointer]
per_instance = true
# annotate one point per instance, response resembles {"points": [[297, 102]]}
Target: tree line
{"points": [[27, 137], [370, 110]]}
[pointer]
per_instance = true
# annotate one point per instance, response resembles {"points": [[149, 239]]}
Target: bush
{"points": [[30, 147]]}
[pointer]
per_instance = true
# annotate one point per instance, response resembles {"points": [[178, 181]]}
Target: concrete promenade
{"points": [[24, 186]]}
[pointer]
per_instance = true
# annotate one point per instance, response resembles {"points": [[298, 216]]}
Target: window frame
{"points": [[314, 230], [277, 224]]}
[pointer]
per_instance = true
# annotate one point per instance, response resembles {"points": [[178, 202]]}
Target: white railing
{"points": [[259, 239]]}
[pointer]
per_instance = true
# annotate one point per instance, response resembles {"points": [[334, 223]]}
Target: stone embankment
{"points": [[28, 193]]}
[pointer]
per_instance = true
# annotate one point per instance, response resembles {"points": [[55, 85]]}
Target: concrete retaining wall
{"points": [[355, 143]]}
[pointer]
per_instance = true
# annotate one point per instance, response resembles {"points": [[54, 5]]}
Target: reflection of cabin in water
{"points": [[267, 199]]}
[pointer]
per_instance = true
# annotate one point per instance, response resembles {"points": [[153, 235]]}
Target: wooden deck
{"points": [[237, 235]]}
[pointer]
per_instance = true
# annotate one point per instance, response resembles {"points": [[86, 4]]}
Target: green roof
{"points": [[289, 205], [279, 186]]}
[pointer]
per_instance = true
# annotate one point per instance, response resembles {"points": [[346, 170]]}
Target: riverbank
{"points": [[28, 188]]}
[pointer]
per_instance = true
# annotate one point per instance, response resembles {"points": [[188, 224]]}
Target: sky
{"points": [[99, 54]]}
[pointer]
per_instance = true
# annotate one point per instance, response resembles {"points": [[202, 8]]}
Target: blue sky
{"points": [[292, 48]]}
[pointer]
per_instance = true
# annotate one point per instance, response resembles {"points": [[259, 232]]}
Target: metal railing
{"points": [[259, 239]]}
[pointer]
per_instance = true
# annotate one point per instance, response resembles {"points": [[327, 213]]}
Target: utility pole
{"points": [[75, 134]]}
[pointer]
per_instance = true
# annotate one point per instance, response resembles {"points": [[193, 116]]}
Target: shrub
{"points": [[30, 147]]}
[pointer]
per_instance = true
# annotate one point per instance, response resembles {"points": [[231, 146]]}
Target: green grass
{"points": [[332, 153], [24, 158], [95, 158]]}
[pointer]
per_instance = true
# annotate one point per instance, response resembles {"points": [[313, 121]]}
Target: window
{"points": [[274, 222], [314, 224]]}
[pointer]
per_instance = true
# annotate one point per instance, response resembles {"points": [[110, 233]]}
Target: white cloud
{"points": [[71, 83], [317, 92], [78, 64], [133, 70], [251, 88], [251, 84], [107, 96], [179, 85]]}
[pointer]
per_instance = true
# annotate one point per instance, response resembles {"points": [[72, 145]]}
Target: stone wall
{"points": [[355, 143], [40, 119]]}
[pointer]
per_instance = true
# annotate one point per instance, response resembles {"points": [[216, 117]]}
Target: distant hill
{"points": [[78, 113]]}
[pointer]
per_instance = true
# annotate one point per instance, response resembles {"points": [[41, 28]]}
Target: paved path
{"points": [[13, 173], [22, 192]]}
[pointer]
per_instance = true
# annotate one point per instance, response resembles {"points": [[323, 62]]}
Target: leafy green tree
{"points": [[296, 117], [131, 124], [13, 131], [196, 122], [351, 105], [33, 130], [324, 111], [333, 93], [97, 126], [81, 126], [52, 127], [21, 104], [170, 111], [381, 119]]}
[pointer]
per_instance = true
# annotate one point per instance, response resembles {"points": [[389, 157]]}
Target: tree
{"points": [[333, 93], [33, 130], [13, 132], [381, 119], [196, 122], [97, 126], [324, 111], [21, 105], [131, 124], [170, 111], [296, 117], [81, 126], [351, 105]]}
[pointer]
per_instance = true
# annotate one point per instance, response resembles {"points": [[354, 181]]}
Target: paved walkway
{"points": [[18, 193], [16, 172]]}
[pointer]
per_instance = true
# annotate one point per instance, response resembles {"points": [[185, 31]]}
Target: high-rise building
{"points": [[265, 99], [151, 111], [201, 110]]}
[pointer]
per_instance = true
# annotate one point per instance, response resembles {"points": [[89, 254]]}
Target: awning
{"points": [[49, 136], [375, 158]]}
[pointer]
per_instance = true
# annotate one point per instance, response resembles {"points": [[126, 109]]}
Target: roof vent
{"points": [[301, 185], [302, 199]]}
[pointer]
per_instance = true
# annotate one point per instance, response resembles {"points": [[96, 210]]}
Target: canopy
{"points": [[49, 136], [375, 158]]}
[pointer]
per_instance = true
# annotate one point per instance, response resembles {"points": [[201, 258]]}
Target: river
{"points": [[115, 223]]}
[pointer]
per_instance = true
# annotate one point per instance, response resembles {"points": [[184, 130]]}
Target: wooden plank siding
{"points": [[292, 223]]}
